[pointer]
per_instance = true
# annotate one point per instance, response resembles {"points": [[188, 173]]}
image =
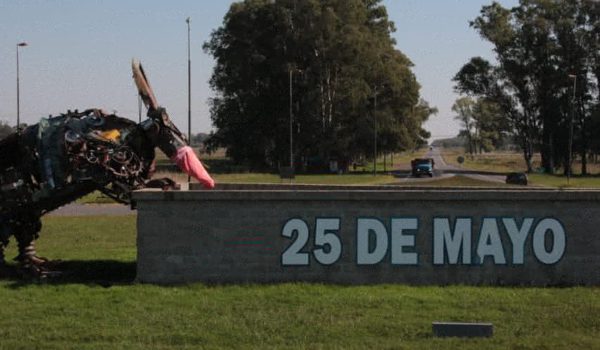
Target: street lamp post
{"points": [[189, 89], [375, 133], [139, 109], [21, 44], [570, 160], [291, 123], [291, 78]]}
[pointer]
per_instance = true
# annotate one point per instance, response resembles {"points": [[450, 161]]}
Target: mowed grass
{"points": [[333, 179], [389, 163], [453, 181], [327, 179], [561, 181], [96, 306], [506, 162], [503, 162], [95, 197]]}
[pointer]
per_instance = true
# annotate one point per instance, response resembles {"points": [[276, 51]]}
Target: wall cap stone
{"points": [[265, 192]]}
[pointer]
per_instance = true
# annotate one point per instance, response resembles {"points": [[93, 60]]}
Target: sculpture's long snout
{"points": [[188, 162], [176, 147]]}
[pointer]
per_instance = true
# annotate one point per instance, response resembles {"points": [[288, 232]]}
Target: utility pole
{"points": [[291, 90], [189, 90], [570, 169], [375, 133], [139, 108], [21, 44], [291, 123]]}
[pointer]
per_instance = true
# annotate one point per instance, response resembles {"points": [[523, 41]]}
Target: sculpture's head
{"points": [[165, 135]]}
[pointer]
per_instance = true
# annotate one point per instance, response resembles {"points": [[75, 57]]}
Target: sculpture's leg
{"points": [[26, 233]]}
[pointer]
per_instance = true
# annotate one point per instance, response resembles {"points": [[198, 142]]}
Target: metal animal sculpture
{"points": [[63, 158]]}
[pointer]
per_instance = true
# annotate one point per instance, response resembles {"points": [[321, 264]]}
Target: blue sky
{"points": [[79, 54]]}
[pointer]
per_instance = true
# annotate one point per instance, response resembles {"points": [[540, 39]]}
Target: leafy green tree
{"points": [[490, 127], [483, 125], [540, 46], [463, 107], [348, 82], [480, 79]]}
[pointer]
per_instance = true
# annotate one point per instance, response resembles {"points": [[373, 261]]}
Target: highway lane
{"points": [[444, 170]]}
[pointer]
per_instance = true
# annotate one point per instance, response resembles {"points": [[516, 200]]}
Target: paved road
{"points": [[450, 169], [444, 170]]}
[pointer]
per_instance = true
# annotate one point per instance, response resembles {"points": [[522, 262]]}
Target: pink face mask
{"points": [[187, 161]]}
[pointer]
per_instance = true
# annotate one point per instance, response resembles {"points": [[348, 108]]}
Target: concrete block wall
{"points": [[369, 235]]}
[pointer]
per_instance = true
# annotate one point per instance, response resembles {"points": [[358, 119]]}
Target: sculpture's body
{"points": [[63, 158]]}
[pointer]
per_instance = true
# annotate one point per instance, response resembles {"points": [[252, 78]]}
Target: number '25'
{"points": [[328, 246]]}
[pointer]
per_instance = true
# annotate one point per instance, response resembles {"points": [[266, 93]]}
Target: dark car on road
{"points": [[517, 179], [422, 166]]}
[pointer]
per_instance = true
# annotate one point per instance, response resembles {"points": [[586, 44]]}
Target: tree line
{"points": [[331, 64], [544, 87]]}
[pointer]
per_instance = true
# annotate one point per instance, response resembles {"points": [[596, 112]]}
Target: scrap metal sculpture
{"points": [[63, 158]]}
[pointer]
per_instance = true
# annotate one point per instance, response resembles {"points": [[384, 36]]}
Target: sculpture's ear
{"points": [[143, 86], [169, 138]]}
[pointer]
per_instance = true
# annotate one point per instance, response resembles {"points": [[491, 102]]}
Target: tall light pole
{"points": [[21, 44], [375, 133], [291, 123], [292, 70], [574, 77], [189, 89], [139, 109]]}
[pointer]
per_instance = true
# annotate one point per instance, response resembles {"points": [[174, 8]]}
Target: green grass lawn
{"points": [[397, 161], [454, 181], [513, 162], [494, 161], [505, 161], [561, 181], [95, 306], [326, 179], [95, 197], [345, 179]]}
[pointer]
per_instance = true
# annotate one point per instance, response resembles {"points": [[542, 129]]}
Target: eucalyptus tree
{"points": [[542, 48], [463, 107], [348, 82]]}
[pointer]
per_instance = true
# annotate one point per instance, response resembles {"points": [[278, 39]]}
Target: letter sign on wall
{"points": [[454, 241]]}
